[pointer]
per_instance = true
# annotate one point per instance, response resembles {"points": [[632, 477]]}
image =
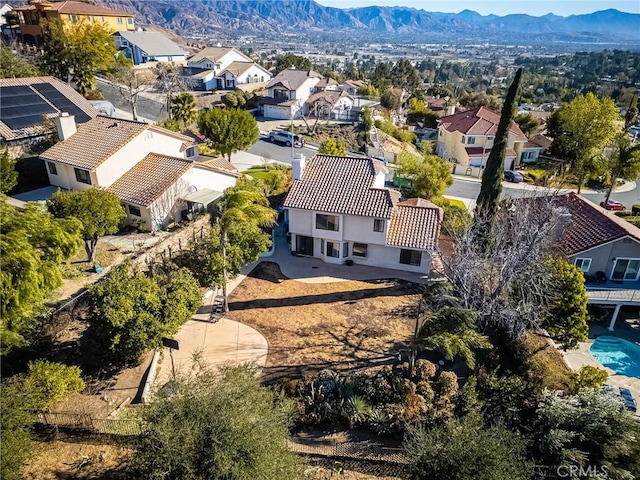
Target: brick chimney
{"points": [[66, 125]]}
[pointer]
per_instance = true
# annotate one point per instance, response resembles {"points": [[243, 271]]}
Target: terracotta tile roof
{"points": [[98, 139], [591, 225], [415, 223], [94, 142], [479, 121], [532, 144], [292, 79], [38, 129], [216, 162], [342, 185], [79, 8], [149, 179]]}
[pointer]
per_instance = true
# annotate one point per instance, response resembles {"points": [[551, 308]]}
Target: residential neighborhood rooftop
{"points": [[149, 179], [591, 225], [292, 79], [478, 121], [342, 185], [415, 223], [153, 43], [79, 8], [98, 139], [215, 54]]}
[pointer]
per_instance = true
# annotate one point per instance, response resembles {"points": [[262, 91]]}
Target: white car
{"points": [[286, 138]]}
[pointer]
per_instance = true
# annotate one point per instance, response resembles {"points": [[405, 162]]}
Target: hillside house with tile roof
{"points": [[466, 139], [596, 240], [69, 12], [156, 173], [339, 209]]}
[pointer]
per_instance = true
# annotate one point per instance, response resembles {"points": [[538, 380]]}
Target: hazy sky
{"points": [[499, 7]]}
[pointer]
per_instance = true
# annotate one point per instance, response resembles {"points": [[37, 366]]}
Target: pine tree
{"points": [[491, 187]]}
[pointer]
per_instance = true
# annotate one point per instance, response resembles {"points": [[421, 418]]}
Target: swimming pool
{"points": [[619, 355]]}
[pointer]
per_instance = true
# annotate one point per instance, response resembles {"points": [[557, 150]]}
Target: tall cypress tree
{"points": [[489, 197]]}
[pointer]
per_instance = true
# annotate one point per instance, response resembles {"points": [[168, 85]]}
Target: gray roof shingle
{"points": [[153, 43]]}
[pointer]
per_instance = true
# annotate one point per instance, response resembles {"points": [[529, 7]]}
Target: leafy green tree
{"points": [[292, 61], [566, 317], [228, 130], [99, 211], [452, 332], [588, 377], [480, 99], [528, 124], [242, 212], [33, 245], [624, 161], [455, 219], [391, 98], [332, 147], [465, 450], [584, 429], [368, 90], [45, 384], [491, 186], [581, 130], [132, 312], [215, 426], [183, 108], [430, 175], [13, 65], [419, 112], [81, 49], [8, 173], [404, 75]]}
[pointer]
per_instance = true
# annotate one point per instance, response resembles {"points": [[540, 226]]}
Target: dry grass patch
{"points": [[346, 326]]}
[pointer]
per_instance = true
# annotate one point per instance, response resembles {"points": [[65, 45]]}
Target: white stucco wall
{"points": [[360, 229], [66, 178], [124, 159], [204, 178], [254, 70]]}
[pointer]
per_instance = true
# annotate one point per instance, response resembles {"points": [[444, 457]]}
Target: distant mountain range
{"points": [[189, 17]]}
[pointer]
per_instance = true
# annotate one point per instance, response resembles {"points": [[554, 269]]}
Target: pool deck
{"points": [[628, 329]]}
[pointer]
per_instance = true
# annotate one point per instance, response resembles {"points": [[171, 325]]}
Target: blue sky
{"points": [[499, 7]]}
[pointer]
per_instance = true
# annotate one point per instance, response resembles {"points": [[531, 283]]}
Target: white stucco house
{"points": [[288, 92], [339, 210], [330, 104], [155, 172], [225, 68], [143, 47]]}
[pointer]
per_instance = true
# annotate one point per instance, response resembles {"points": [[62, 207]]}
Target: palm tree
{"points": [[183, 108], [624, 161], [240, 207], [452, 332]]}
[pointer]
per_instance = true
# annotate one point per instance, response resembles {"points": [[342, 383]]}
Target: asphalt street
{"points": [[147, 108], [274, 151]]}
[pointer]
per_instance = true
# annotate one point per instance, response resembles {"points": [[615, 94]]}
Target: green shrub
{"points": [[54, 381], [636, 209], [624, 213], [390, 129], [588, 377]]}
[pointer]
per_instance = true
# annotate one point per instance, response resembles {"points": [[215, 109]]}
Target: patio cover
{"points": [[203, 196]]}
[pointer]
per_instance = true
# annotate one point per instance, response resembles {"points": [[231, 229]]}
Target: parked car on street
{"points": [[613, 205], [514, 177], [286, 138]]}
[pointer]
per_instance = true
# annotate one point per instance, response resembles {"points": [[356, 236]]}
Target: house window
{"points": [[410, 257], [135, 211], [359, 250], [378, 225], [90, 18], [333, 249], [130, 21], [471, 140], [53, 170], [82, 176], [322, 246], [584, 264], [192, 152], [102, 19], [327, 222], [441, 133], [120, 22], [625, 269], [229, 83], [345, 250]]}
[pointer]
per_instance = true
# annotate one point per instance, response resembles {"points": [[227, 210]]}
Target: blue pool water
{"points": [[619, 355]]}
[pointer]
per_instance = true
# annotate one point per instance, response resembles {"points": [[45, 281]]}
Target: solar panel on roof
{"points": [[62, 103], [21, 107]]}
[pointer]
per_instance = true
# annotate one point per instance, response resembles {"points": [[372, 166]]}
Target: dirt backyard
{"points": [[347, 326]]}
